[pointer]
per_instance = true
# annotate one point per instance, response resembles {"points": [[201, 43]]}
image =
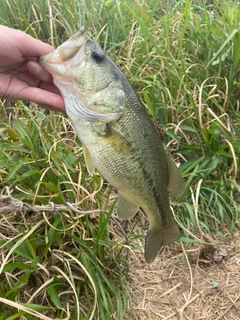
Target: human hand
{"points": [[21, 77]]}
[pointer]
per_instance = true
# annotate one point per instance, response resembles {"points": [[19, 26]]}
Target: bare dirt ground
{"points": [[202, 283]]}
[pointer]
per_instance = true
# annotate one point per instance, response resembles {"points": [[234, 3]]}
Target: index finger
{"points": [[48, 99], [29, 46]]}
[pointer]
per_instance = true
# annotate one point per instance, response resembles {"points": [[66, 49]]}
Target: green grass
{"points": [[183, 59], [42, 162]]}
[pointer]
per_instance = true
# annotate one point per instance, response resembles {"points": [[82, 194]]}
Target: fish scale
{"points": [[118, 136]]}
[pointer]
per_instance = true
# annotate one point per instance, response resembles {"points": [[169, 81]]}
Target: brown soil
{"points": [[203, 283]]}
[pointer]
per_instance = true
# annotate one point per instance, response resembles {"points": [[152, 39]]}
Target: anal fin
{"points": [[126, 209]]}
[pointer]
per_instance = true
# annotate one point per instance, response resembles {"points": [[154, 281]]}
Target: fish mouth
{"points": [[50, 62], [69, 55]]}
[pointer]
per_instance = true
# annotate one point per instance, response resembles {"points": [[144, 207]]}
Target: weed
{"points": [[182, 57]]}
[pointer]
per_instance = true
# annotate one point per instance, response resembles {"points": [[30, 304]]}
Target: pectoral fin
{"points": [[175, 181], [126, 209], [88, 160], [117, 141]]}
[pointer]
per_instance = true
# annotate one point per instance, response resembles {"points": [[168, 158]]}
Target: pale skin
{"points": [[21, 77]]}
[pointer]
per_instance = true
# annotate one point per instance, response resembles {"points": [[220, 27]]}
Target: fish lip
{"points": [[44, 61], [40, 59], [50, 61]]}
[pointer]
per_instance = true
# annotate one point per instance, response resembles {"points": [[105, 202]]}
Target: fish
{"points": [[118, 136]]}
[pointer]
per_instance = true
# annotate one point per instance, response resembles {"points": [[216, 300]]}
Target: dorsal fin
{"points": [[175, 181]]}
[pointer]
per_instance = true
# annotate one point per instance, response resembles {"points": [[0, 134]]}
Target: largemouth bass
{"points": [[118, 136]]}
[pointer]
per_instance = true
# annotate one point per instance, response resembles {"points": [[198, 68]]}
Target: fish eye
{"points": [[98, 56]]}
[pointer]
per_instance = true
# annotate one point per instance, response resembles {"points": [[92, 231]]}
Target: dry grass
{"points": [[199, 284]]}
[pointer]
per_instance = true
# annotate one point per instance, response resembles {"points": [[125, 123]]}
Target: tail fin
{"points": [[157, 238]]}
